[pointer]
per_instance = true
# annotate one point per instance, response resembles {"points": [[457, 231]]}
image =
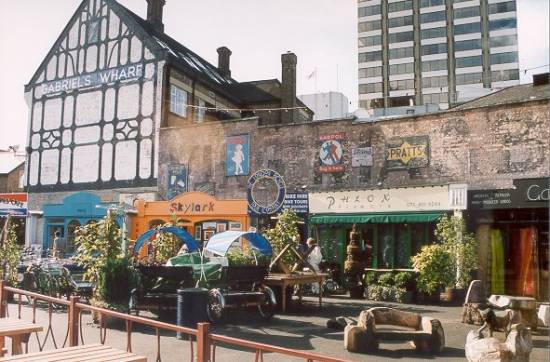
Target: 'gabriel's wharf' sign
{"points": [[407, 152], [127, 72]]}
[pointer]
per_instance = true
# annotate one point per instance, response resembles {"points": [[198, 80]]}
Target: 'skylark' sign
{"points": [[407, 152], [106, 76]]}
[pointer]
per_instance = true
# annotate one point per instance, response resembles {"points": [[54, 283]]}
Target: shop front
{"points": [[394, 223], [200, 214], [511, 227], [75, 210]]}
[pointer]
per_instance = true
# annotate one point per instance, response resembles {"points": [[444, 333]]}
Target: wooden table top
{"points": [[11, 326], [84, 353], [279, 277]]}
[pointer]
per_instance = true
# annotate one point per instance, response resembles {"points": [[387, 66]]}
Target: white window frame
{"points": [[178, 101]]}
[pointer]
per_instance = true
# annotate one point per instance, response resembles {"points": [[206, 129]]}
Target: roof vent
{"points": [[540, 79]]}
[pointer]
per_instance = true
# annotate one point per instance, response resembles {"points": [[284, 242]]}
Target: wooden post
{"points": [[203, 342], [3, 299], [73, 321]]}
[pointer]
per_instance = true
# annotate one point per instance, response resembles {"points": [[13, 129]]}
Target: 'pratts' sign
{"points": [[127, 72]]}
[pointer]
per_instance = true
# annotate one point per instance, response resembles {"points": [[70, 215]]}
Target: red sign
{"points": [[13, 204]]}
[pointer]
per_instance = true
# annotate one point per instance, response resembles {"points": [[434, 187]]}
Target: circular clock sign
{"points": [[266, 192]]}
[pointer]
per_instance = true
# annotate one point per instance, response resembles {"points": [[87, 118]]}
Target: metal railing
{"points": [[206, 342]]}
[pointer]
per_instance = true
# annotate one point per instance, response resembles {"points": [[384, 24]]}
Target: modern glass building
{"points": [[442, 52]]}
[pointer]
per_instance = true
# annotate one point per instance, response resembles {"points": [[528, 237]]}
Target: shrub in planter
{"points": [[9, 254], [116, 281], [434, 267], [386, 280]]}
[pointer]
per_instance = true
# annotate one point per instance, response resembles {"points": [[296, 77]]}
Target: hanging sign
{"points": [[361, 157], [266, 192], [331, 153], [13, 204], [407, 152]]}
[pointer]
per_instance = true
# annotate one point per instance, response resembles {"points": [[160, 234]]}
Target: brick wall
{"points": [[484, 147]]}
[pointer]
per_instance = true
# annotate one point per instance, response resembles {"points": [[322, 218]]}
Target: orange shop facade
{"points": [[200, 214]]}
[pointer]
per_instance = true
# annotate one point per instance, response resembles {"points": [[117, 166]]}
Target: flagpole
{"points": [[316, 89]]}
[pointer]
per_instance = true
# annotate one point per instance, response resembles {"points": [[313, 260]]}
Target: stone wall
{"points": [[485, 148]]}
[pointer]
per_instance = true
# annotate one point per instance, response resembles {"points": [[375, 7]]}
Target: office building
{"points": [[435, 51]]}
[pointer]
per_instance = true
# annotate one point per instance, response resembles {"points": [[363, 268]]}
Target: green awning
{"points": [[374, 218]]}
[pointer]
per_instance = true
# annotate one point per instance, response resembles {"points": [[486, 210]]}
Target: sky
{"points": [[322, 33]]}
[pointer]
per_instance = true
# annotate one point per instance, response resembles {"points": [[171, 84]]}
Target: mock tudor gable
{"points": [[95, 104]]}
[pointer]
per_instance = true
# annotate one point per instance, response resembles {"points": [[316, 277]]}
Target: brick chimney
{"points": [[288, 86], [224, 54], [154, 14]]}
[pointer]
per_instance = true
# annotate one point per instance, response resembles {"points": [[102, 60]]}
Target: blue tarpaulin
{"points": [[181, 234], [220, 243]]}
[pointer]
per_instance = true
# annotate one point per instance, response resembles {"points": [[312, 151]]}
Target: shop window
{"points": [[385, 246], [157, 222]]}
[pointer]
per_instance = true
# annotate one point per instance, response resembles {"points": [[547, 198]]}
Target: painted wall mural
{"points": [[177, 180], [94, 119], [237, 155], [331, 153]]}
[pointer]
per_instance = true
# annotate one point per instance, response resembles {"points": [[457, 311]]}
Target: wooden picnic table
{"points": [[84, 353], [19, 331], [285, 280]]}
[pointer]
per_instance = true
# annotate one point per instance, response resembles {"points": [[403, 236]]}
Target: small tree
{"points": [[166, 245], [461, 245], [434, 267], [9, 253], [284, 233]]}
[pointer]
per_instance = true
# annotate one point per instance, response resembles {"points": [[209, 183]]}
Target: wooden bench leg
{"points": [[16, 345], [2, 349]]}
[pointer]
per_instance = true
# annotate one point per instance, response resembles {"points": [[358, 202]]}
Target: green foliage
{"points": [[434, 267], [402, 279], [285, 232], [370, 278], [9, 256], [97, 245], [461, 245], [386, 280], [329, 249], [117, 279]]}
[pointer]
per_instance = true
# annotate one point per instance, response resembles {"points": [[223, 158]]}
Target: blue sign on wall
{"points": [[297, 202], [237, 152], [177, 180], [257, 206]]}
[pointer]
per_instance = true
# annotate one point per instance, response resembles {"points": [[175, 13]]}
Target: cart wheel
{"points": [[215, 306], [267, 307]]}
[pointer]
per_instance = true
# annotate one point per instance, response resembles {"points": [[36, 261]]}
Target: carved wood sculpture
{"points": [[516, 348], [285, 268]]}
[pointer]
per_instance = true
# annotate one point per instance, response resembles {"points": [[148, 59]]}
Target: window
{"points": [[502, 24], [434, 49], [93, 32], [426, 3], [433, 65], [502, 75], [402, 84], [502, 41], [200, 111], [370, 72], [369, 10], [401, 68], [433, 33], [370, 88], [434, 82], [400, 6], [370, 41], [468, 62], [401, 37], [401, 53], [431, 17], [466, 12], [500, 58], [178, 101], [467, 28], [435, 98], [370, 25], [467, 45], [401, 21], [370, 56], [470, 78], [502, 7]]}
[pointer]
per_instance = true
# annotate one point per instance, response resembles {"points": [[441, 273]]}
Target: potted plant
{"points": [[461, 247], [435, 271]]}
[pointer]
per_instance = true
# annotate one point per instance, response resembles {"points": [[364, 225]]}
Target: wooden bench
{"points": [[84, 353], [387, 324], [19, 331]]}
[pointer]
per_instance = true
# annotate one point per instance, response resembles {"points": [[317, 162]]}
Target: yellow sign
{"points": [[408, 152]]}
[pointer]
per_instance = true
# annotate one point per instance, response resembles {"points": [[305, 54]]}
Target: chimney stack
{"points": [[224, 54], [288, 87], [154, 14]]}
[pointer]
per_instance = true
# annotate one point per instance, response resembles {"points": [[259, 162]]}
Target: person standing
{"points": [[315, 256], [56, 241]]}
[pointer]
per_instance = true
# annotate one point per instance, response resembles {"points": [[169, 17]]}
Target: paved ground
{"points": [[303, 328]]}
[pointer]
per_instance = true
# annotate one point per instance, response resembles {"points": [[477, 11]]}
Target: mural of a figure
{"points": [[238, 158], [237, 151]]}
